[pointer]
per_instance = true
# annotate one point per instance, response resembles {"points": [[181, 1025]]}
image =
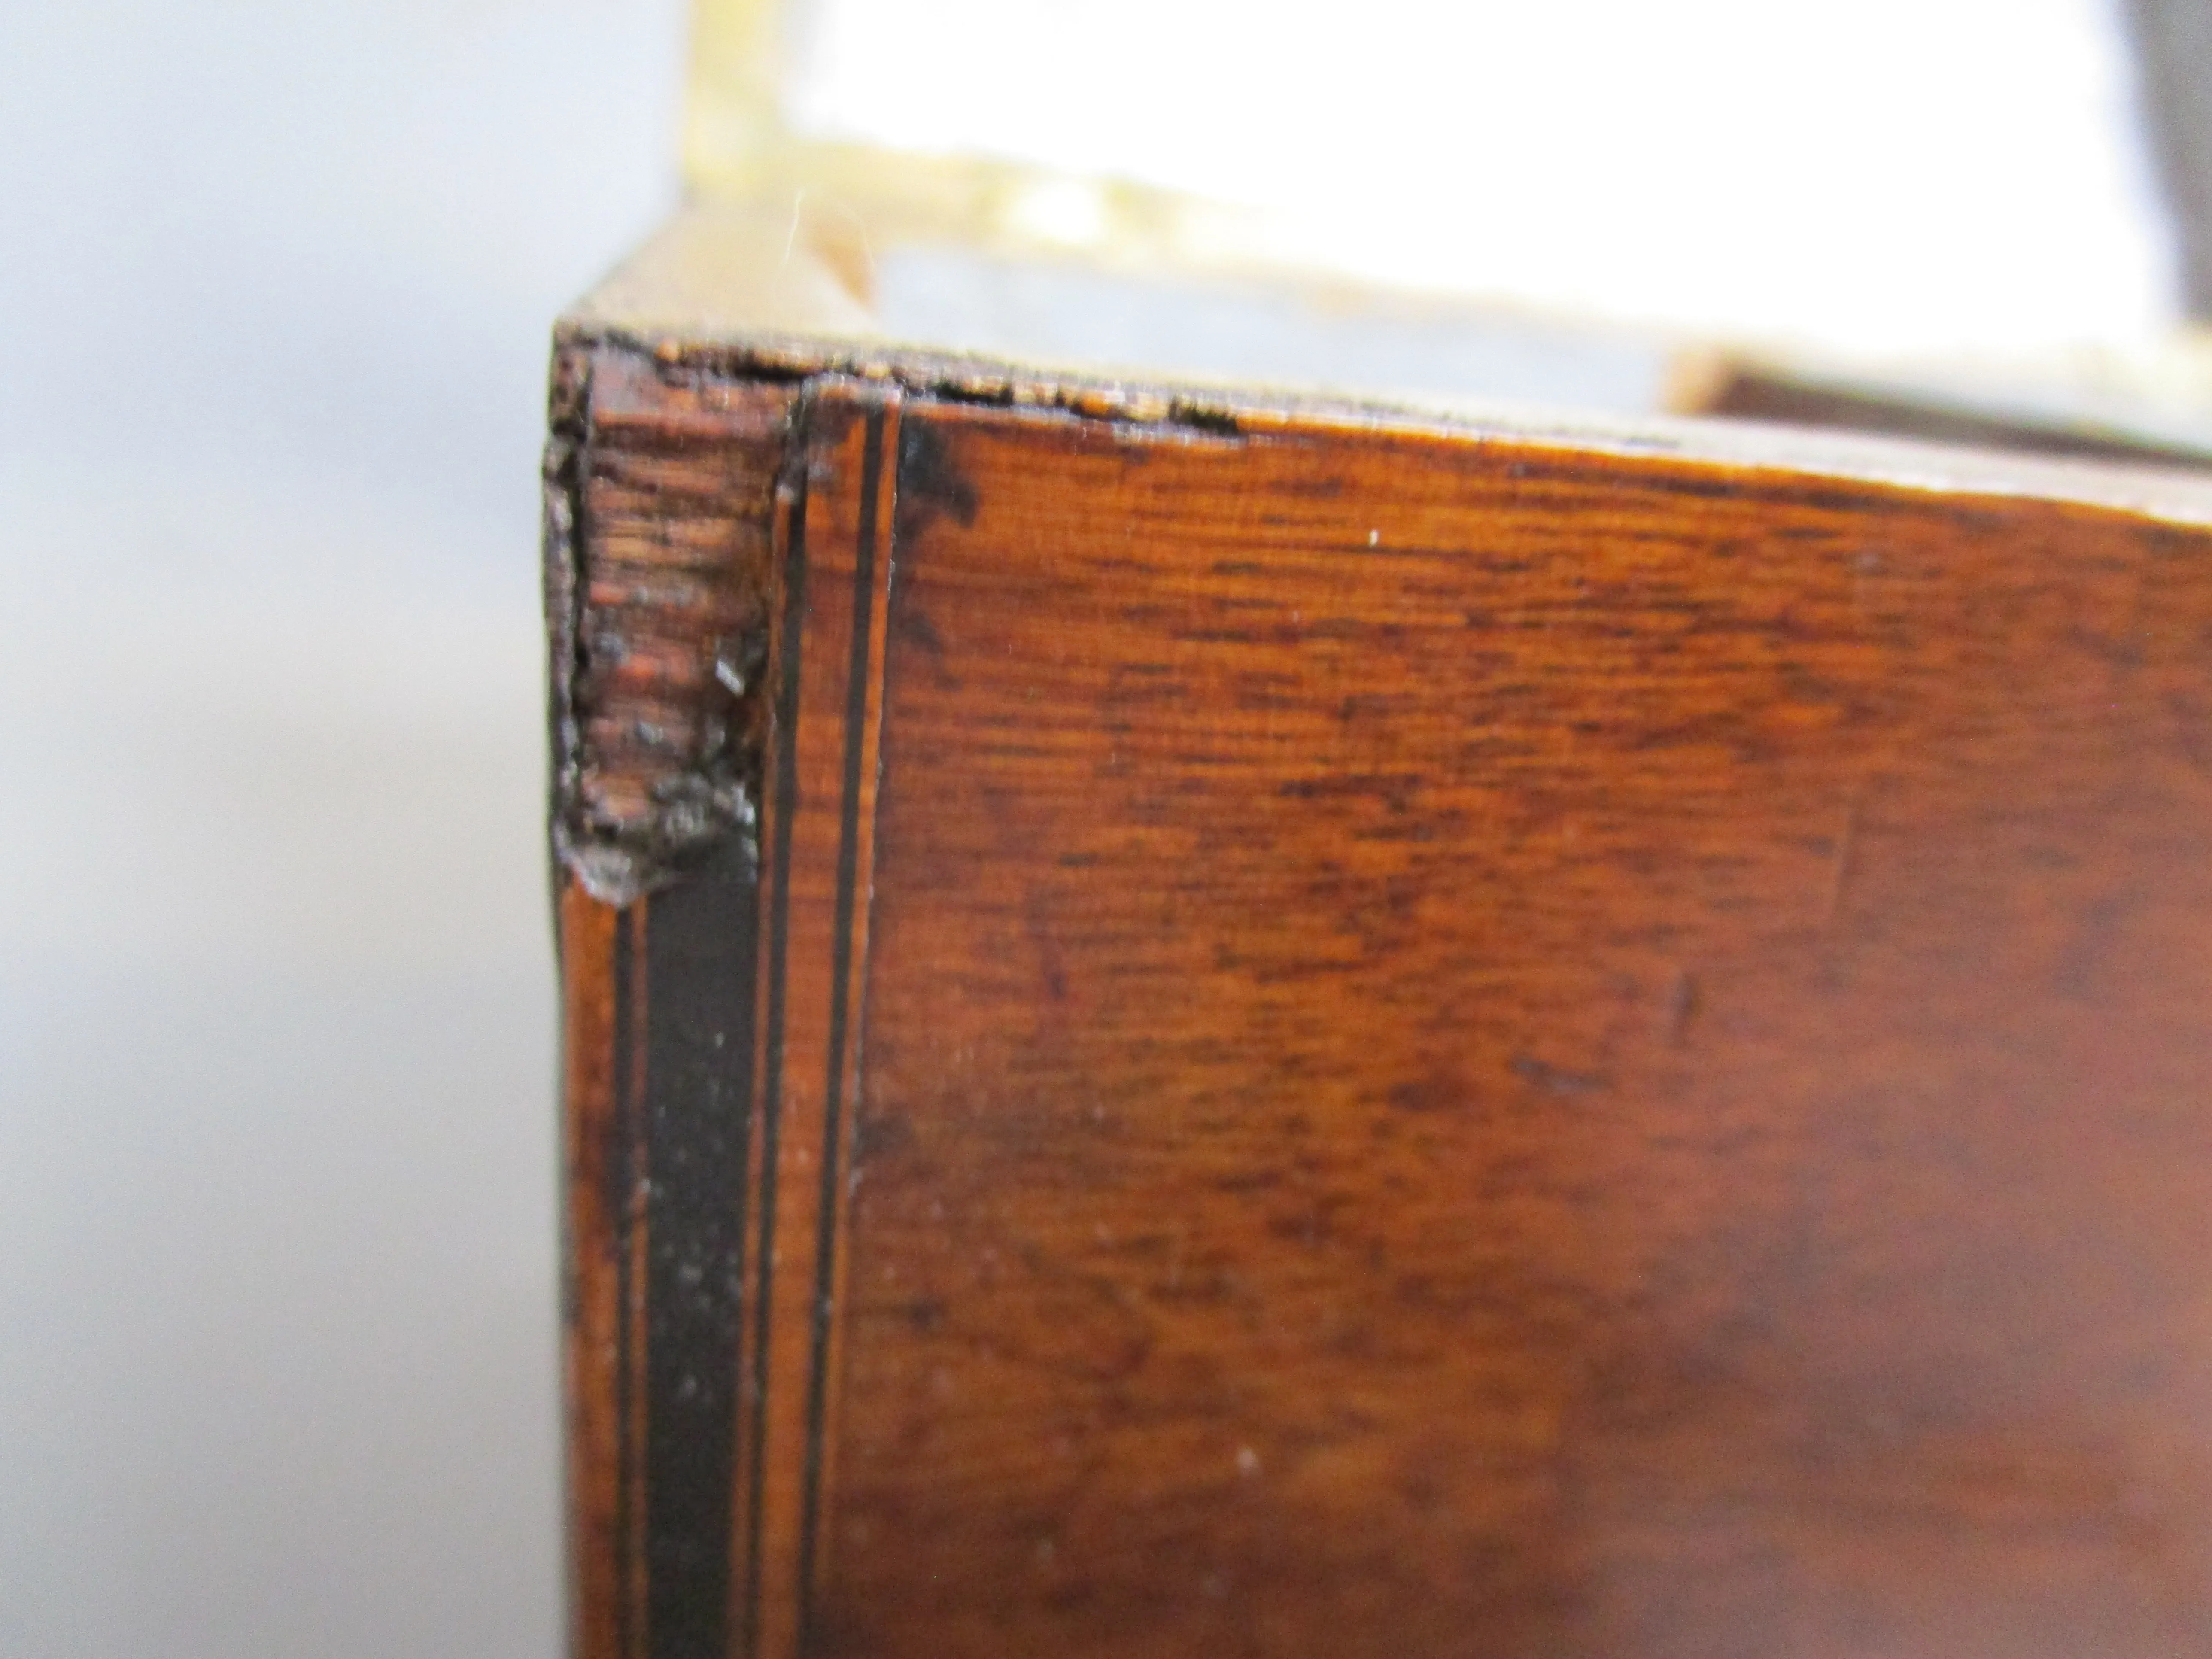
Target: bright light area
{"points": [[1901, 176]]}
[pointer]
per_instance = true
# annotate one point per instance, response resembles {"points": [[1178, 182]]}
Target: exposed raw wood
{"points": [[661, 488]]}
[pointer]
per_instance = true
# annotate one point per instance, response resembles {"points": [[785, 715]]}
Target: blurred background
{"points": [[276, 1025], [1885, 179], [277, 1309]]}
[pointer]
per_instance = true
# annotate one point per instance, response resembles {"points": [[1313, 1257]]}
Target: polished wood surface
{"points": [[1367, 1038]]}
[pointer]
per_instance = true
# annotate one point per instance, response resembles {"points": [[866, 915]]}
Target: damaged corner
{"points": [[660, 497]]}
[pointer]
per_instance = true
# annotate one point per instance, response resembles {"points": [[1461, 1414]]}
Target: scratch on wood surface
{"points": [[1684, 1000], [1846, 857]]}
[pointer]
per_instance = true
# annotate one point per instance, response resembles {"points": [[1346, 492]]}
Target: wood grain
{"points": [[1477, 1049], [829, 658], [1432, 1043]]}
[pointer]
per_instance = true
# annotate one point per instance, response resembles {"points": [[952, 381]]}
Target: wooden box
{"points": [[1200, 1024]]}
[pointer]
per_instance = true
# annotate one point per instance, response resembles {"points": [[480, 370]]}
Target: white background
{"points": [[278, 1319], [1888, 176]]}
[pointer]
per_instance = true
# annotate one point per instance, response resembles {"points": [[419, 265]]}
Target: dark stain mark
{"points": [[912, 624], [1218, 421], [1554, 1079], [1439, 1092], [1846, 854], [1248, 1180], [880, 1134], [1395, 789], [1684, 1001], [2121, 651], [2192, 730], [828, 422], [1323, 489], [930, 483], [1049, 963], [2085, 961]]}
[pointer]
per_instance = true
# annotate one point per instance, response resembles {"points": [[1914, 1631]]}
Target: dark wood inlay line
{"points": [[841, 965], [699, 945]]}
